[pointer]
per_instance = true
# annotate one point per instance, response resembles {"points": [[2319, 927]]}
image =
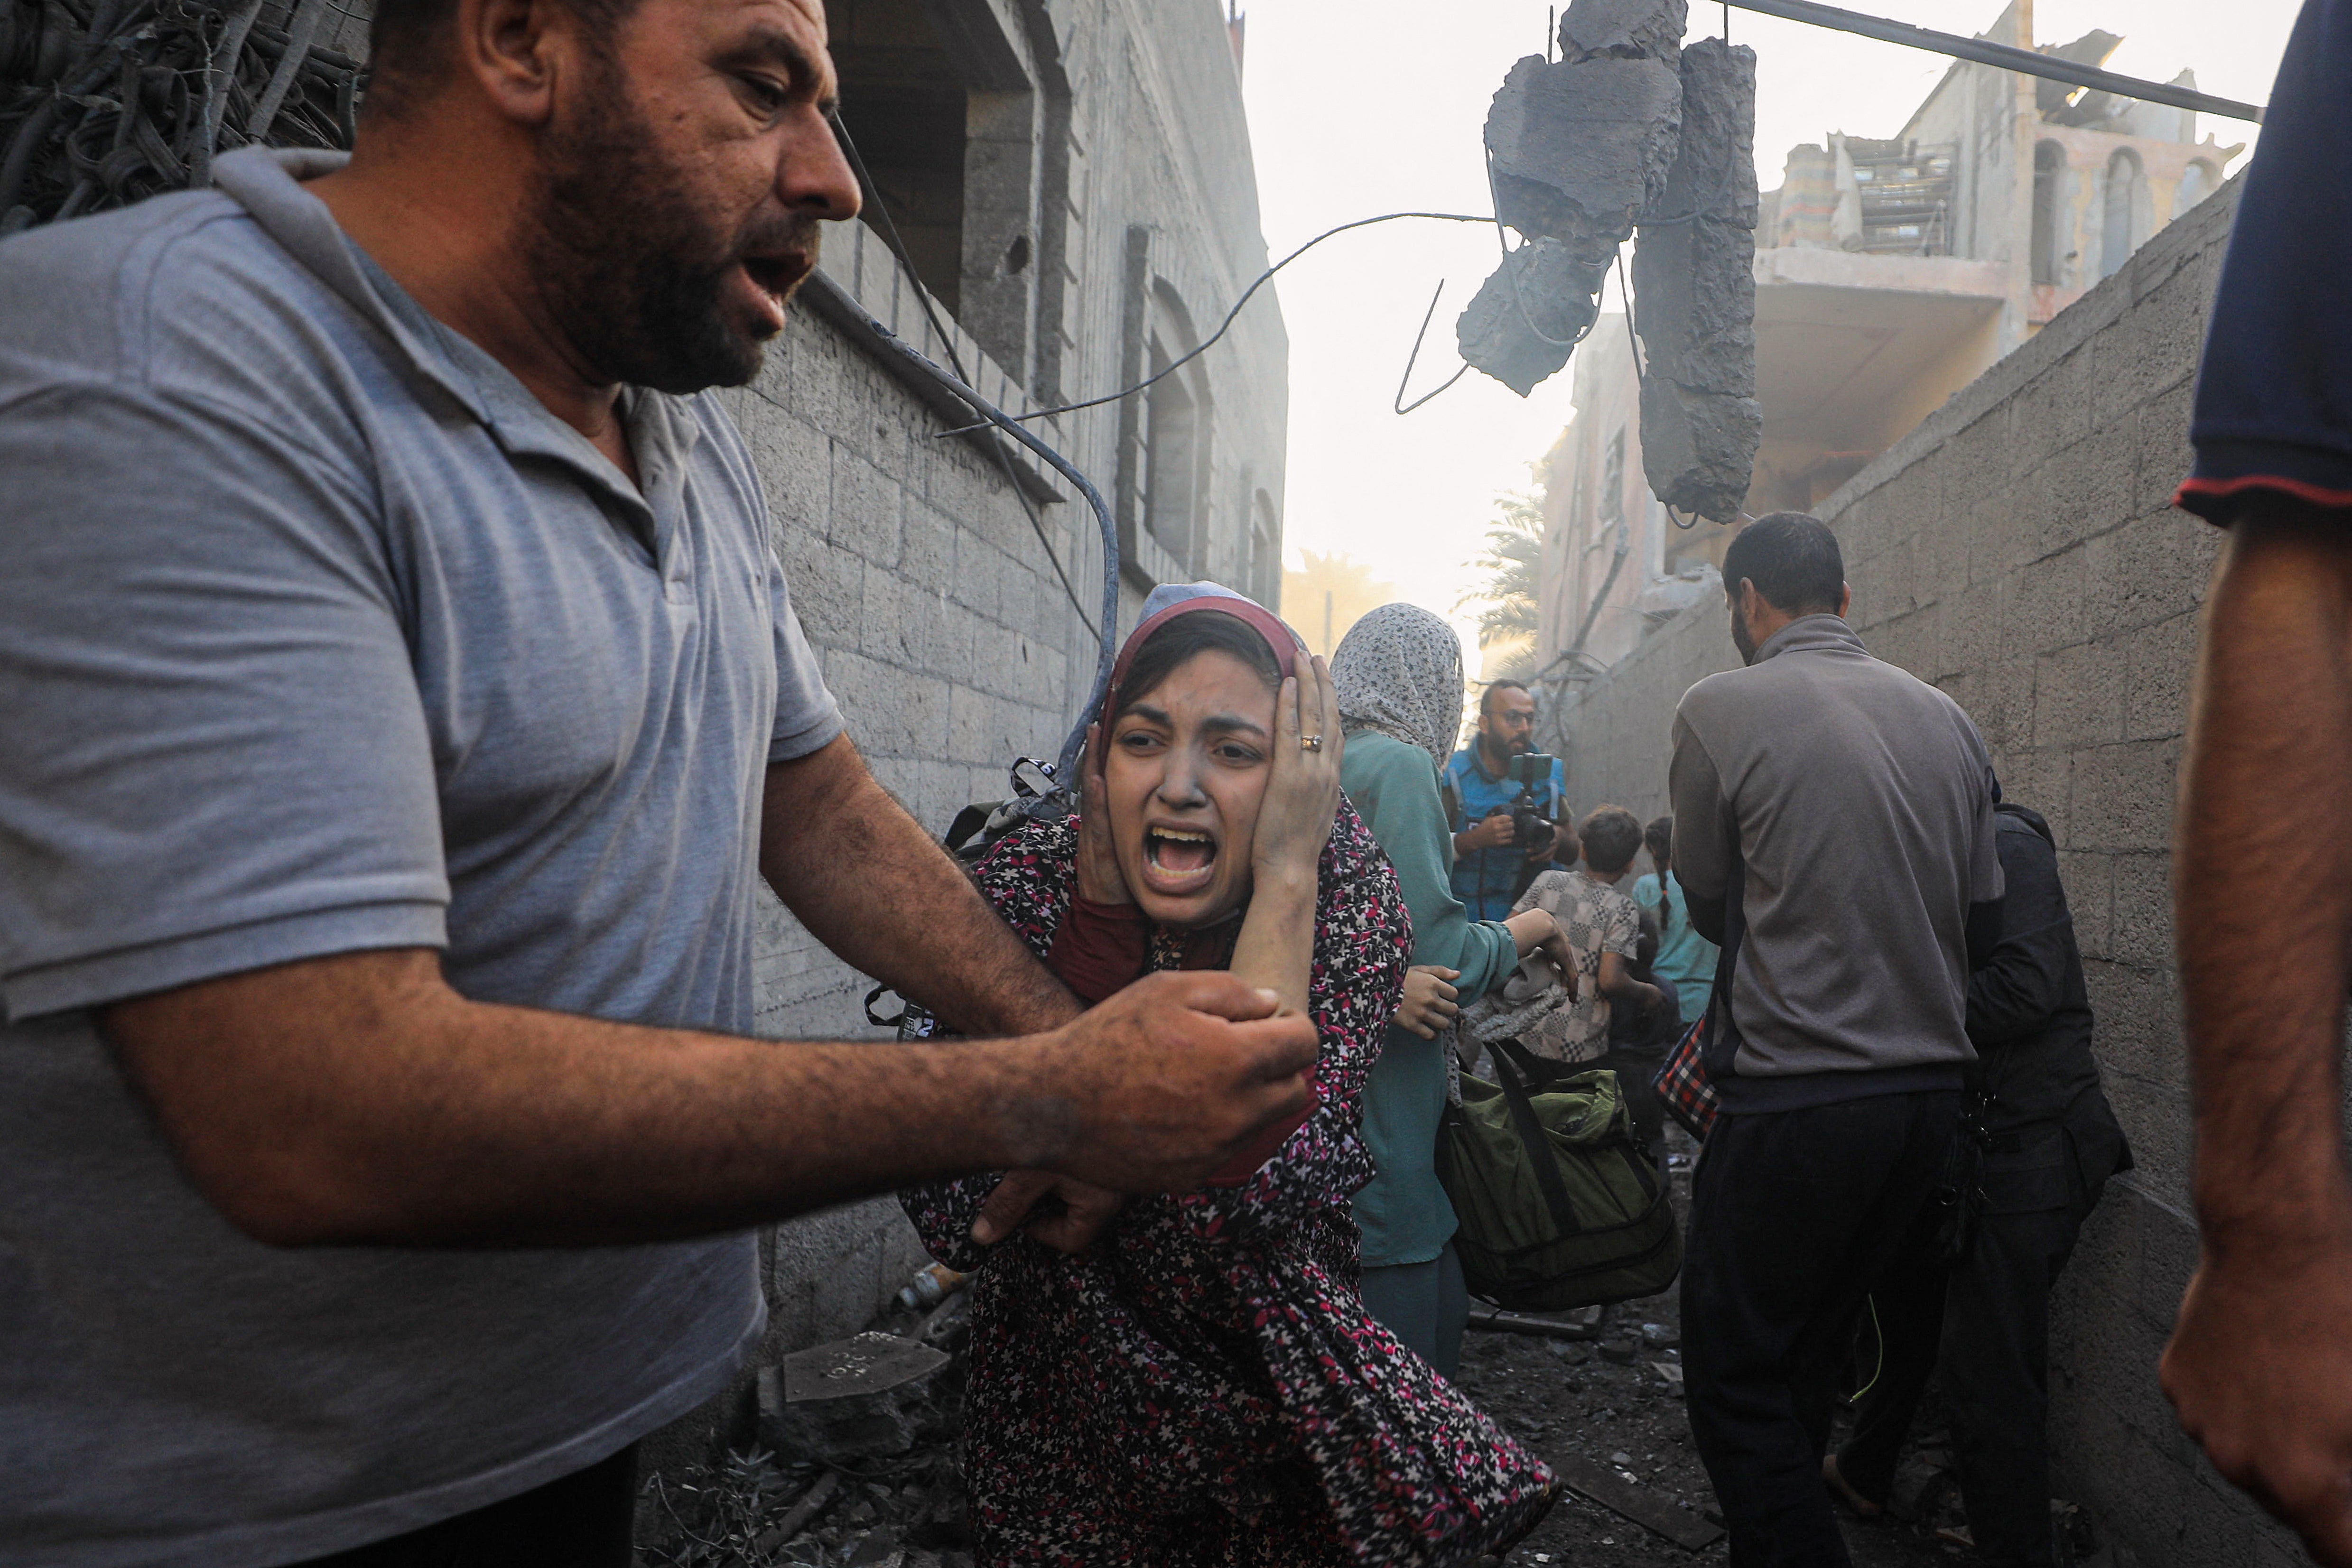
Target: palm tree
{"points": [[1514, 550]]}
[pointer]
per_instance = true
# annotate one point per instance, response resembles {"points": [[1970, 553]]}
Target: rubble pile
{"points": [[857, 1467], [1694, 295]]}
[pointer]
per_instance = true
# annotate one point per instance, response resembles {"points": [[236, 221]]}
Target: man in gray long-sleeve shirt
{"points": [[1833, 832]]}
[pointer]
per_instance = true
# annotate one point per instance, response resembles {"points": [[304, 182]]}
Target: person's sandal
{"points": [[1862, 1507]]}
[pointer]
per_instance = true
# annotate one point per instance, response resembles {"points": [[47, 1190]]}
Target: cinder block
{"points": [[1941, 556], [2123, 795], [2045, 609], [1973, 628], [1999, 699], [2078, 694], [2089, 881], [868, 509], [827, 587], [973, 729], [2161, 661], [2089, 486], [980, 567], [2143, 917], [927, 553], [2162, 456], [1882, 584]]}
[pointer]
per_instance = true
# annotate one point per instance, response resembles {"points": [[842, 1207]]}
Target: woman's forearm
{"points": [[1276, 949]]}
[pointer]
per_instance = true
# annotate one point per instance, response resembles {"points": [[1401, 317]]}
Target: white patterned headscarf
{"points": [[1399, 672]]}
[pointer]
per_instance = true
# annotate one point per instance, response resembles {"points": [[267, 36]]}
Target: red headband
{"points": [[1280, 639]]}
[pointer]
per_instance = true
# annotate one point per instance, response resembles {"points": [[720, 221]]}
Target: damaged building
{"points": [[1888, 274]]}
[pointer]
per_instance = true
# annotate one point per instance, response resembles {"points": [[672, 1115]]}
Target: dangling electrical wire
{"points": [[1226, 324]]}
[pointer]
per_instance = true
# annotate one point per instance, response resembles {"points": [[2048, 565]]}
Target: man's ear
{"points": [[1845, 599], [513, 50]]}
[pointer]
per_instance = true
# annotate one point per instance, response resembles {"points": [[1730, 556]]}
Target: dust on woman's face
{"points": [[1185, 772]]}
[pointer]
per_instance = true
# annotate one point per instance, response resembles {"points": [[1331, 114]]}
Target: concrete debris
{"points": [[851, 1400], [1660, 1337], [1637, 1503], [1520, 333], [1694, 295], [1582, 147], [1628, 29]]}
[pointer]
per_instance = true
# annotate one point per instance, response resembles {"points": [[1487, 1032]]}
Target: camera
{"points": [[1530, 829]]}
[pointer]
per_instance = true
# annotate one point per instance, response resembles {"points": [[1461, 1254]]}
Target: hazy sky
{"points": [[1377, 105]]}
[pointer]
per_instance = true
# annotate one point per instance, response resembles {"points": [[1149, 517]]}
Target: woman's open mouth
{"points": [[1178, 861]]}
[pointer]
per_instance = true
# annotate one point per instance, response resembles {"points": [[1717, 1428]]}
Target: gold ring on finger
{"points": [[1310, 743]]}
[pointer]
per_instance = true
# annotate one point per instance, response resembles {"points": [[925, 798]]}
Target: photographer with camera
{"points": [[1508, 828]]}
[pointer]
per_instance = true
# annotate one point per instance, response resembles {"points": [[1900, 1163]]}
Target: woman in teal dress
{"points": [[1398, 674]]}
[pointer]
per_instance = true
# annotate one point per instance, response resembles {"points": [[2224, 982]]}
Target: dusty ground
{"points": [[1605, 1402], [1569, 1400]]}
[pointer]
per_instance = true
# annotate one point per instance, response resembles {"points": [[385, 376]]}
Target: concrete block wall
{"points": [[2020, 550]]}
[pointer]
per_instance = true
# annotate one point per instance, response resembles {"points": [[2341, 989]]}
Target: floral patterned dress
{"points": [[1203, 1386]]}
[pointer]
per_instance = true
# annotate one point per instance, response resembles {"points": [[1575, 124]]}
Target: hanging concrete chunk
{"points": [[1504, 331], [1582, 147], [1694, 295], [1629, 29]]}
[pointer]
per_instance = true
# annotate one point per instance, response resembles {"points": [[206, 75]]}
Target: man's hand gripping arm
{"points": [[873, 886]]}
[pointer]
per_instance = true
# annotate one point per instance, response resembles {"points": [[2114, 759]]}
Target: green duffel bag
{"points": [[1560, 1205]]}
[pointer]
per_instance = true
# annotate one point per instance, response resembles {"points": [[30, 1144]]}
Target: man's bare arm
{"points": [[358, 1099], [873, 886], [2260, 1365]]}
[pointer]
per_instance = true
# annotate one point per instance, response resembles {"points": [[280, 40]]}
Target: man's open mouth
{"points": [[1178, 860], [776, 275]]}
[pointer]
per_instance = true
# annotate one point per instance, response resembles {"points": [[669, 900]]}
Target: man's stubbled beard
{"points": [[631, 269]]}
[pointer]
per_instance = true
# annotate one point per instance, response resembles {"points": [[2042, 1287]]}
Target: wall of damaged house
{"points": [[2020, 550]]}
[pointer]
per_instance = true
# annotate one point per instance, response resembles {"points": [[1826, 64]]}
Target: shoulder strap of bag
{"points": [[1541, 1154]]}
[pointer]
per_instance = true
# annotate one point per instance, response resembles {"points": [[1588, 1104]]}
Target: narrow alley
{"points": [[1603, 1408]]}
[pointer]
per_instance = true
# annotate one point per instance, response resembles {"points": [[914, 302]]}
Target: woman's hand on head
{"points": [[1099, 878], [1302, 793], [1429, 1007]]}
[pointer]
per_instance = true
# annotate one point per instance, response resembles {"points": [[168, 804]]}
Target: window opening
{"points": [[2049, 169], [2118, 237], [905, 106], [1612, 483]]}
